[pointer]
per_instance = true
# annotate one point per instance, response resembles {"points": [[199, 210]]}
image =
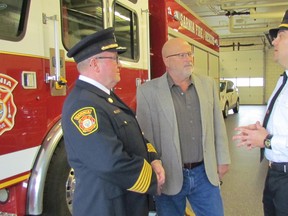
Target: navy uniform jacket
{"points": [[109, 154]]}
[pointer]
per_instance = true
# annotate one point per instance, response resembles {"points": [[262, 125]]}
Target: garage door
{"points": [[246, 70]]}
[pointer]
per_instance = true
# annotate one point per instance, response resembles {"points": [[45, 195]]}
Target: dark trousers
{"points": [[275, 195]]}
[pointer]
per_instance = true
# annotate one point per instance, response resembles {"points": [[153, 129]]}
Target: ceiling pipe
{"points": [[242, 26], [206, 2], [223, 7], [255, 15]]}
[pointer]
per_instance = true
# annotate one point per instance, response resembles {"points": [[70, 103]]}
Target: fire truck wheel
{"points": [[54, 197]]}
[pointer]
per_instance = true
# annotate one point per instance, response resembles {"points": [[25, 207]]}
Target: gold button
{"points": [[110, 100]]}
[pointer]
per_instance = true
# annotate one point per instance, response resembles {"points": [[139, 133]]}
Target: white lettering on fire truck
{"points": [[191, 26]]}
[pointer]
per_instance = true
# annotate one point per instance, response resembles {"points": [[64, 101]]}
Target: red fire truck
{"points": [[36, 76]]}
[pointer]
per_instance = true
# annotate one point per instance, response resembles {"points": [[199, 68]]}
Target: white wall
{"points": [[250, 57], [244, 64]]}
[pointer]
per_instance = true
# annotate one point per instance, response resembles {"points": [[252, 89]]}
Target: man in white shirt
{"points": [[272, 135]]}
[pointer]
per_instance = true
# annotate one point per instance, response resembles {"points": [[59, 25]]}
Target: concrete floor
{"points": [[243, 186]]}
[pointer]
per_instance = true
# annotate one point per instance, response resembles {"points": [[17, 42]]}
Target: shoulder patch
{"points": [[85, 120]]}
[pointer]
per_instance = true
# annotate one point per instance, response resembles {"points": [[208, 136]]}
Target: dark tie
{"points": [[269, 110]]}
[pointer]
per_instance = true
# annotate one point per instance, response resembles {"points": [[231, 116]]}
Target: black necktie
{"points": [[269, 110]]}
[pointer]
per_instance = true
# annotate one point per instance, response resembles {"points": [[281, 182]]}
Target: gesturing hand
{"points": [[251, 136]]}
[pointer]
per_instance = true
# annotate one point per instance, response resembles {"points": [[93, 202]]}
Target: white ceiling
{"points": [[246, 19]]}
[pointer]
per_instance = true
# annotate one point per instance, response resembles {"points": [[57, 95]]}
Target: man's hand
{"points": [[160, 173], [251, 136], [222, 170]]}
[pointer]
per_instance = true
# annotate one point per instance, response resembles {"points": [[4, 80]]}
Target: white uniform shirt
{"points": [[278, 126]]}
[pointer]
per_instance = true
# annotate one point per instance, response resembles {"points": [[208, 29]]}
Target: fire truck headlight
{"points": [[4, 195]]}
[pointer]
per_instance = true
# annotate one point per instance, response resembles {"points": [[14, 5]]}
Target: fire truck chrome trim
{"points": [[38, 175]]}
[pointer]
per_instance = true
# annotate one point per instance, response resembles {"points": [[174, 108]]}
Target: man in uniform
{"points": [[272, 136], [115, 166]]}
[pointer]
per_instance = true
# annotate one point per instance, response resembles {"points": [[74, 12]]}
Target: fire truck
{"points": [[36, 76]]}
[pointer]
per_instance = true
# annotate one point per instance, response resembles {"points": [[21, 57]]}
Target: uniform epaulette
{"points": [[151, 148]]}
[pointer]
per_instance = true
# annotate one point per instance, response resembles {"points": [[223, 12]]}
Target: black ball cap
{"points": [[93, 44], [283, 26]]}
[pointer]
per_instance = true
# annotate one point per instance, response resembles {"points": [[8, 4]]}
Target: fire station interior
{"points": [[245, 59]]}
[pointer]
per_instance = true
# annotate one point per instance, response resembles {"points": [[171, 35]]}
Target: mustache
{"points": [[188, 65]]}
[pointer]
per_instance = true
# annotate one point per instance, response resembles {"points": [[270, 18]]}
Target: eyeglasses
{"points": [[182, 55], [115, 58]]}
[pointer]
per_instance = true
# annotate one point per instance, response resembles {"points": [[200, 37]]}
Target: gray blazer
{"points": [[157, 118]]}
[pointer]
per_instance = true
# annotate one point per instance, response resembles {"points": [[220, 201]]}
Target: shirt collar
{"points": [[171, 83], [95, 83]]}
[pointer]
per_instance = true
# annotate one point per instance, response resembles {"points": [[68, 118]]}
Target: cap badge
{"points": [[110, 46]]}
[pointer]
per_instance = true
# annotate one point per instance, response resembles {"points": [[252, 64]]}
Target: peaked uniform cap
{"points": [[93, 44], [283, 26]]}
